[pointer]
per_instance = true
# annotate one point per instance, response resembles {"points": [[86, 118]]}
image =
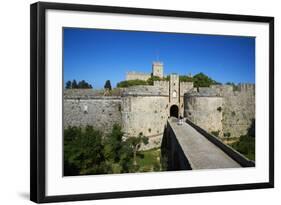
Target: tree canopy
{"points": [[107, 85], [89, 151], [74, 85], [202, 80]]}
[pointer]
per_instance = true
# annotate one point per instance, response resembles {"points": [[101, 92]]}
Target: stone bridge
{"points": [[187, 146]]}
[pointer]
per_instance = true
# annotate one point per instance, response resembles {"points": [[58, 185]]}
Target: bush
{"points": [[89, 151], [246, 146], [128, 83], [152, 79], [227, 135], [184, 78]]}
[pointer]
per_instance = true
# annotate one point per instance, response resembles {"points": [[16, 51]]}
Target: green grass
{"points": [[149, 160]]}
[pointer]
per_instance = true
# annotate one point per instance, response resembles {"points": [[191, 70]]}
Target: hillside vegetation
{"points": [[199, 80]]}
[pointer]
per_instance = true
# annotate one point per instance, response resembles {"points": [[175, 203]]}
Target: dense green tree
{"points": [[113, 143], [185, 78], [84, 85], [88, 151], [68, 85], [83, 151], [74, 84], [135, 143], [107, 85], [202, 80]]}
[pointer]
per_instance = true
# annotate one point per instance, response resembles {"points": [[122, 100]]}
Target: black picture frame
{"points": [[38, 101]]}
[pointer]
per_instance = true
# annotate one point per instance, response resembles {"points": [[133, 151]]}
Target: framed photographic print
{"points": [[129, 102]]}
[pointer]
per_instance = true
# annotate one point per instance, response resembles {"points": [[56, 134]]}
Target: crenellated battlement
{"points": [[185, 87], [246, 87], [162, 83], [133, 75], [136, 73]]}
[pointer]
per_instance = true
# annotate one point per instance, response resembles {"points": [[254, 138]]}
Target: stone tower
{"points": [[157, 69], [174, 89], [174, 95]]}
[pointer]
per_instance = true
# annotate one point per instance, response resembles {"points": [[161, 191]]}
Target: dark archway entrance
{"points": [[174, 111]]}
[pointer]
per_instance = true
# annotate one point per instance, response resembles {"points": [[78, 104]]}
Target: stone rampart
{"points": [[163, 84], [137, 76], [101, 112], [146, 115], [145, 90], [185, 87], [205, 111], [222, 110]]}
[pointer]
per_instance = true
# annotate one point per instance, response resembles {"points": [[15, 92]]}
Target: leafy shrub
{"points": [[128, 83], [246, 146]]}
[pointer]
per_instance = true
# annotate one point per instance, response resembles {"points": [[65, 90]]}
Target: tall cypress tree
{"points": [[107, 85]]}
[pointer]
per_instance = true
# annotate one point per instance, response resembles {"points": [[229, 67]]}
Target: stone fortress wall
{"points": [[137, 76], [239, 110], [146, 108], [222, 110], [84, 107], [146, 115]]}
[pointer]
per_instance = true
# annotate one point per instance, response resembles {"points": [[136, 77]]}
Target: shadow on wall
{"points": [[172, 155]]}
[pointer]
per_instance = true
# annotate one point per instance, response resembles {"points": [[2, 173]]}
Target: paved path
{"points": [[200, 152]]}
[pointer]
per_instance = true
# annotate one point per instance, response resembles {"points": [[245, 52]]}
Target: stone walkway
{"points": [[201, 153]]}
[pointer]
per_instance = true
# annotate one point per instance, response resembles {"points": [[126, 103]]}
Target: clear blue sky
{"points": [[99, 55]]}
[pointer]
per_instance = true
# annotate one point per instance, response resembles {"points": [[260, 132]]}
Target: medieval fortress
{"points": [[145, 108]]}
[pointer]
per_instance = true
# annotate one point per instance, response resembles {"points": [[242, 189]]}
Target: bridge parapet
{"points": [[243, 161], [191, 148]]}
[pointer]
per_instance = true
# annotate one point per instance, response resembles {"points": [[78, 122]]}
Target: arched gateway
{"points": [[174, 111]]}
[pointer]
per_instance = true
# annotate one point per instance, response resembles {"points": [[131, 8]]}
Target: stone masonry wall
{"points": [[205, 112], [137, 75], [100, 112], [185, 87], [147, 115], [238, 111], [235, 115]]}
